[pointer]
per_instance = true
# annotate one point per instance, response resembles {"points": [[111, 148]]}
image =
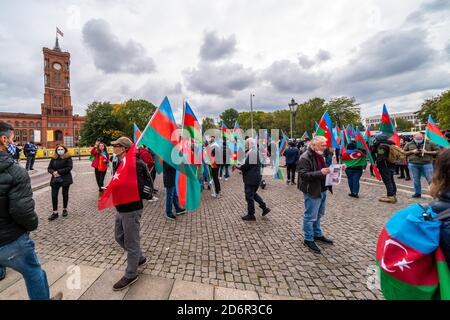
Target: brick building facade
{"points": [[56, 116]]}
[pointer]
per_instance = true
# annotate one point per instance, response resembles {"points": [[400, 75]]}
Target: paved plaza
{"points": [[211, 253]]}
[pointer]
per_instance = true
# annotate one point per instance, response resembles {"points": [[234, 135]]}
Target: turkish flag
{"points": [[123, 187]]}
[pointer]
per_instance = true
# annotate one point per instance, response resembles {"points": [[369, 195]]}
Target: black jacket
{"points": [[169, 174], [438, 206], [17, 214], [143, 176], [380, 152], [62, 164], [310, 179], [30, 150], [251, 169]]}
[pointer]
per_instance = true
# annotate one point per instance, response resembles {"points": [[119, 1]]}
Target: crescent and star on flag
{"points": [[400, 264]]}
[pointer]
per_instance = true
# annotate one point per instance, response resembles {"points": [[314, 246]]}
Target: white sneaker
{"points": [[154, 199], [216, 195], [226, 179]]}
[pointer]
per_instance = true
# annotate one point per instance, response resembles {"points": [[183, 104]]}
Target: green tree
{"points": [[429, 107], [208, 123], [443, 108], [229, 117], [133, 111], [308, 113], [344, 110], [404, 125], [100, 123]]}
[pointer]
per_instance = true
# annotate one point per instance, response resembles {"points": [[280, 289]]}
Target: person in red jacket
{"points": [[100, 163], [146, 157]]}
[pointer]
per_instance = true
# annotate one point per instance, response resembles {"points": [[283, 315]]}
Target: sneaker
{"points": [[249, 217], [2, 273], [170, 217], [323, 239], [226, 179], [392, 199], [124, 283], [57, 296], [143, 262], [288, 183], [216, 195], [53, 216], [353, 195], [65, 213], [312, 246], [179, 213], [416, 195], [265, 212], [154, 199], [407, 179]]}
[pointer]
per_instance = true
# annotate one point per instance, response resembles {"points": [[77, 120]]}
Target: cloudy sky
{"points": [[215, 53]]}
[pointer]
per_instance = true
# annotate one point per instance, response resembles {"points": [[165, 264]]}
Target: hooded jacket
{"points": [[17, 214]]}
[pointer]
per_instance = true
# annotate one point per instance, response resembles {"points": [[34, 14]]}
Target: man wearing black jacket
{"points": [[380, 152], [17, 219], [128, 217], [251, 174]]}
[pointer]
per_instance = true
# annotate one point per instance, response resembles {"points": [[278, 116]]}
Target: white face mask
{"points": [[60, 152]]}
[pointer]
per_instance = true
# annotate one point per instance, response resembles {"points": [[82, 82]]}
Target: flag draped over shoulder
{"points": [[434, 134], [123, 187], [161, 136], [411, 264], [361, 143], [325, 129]]}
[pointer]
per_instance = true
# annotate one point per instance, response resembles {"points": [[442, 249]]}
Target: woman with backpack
{"points": [[60, 168], [100, 163]]}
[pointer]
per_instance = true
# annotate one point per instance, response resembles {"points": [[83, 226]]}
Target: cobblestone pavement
{"points": [[214, 246]]}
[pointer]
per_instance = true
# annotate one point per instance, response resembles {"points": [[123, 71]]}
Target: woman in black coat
{"points": [[60, 168]]}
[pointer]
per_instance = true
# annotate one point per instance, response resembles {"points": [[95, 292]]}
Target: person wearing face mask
{"points": [[60, 167], [17, 219], [312, 173], [420, 160]]}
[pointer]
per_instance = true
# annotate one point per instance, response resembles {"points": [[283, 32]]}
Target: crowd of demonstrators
{"points": [[356, 162], [17, 219], [440, 191], [420, 160], [60, 167], [100, 164], [381, 150], [145, 155], [169, 178], [312, 173], [292, 154], [127, 223], [216, 153], [30, 151], [252, 177]]}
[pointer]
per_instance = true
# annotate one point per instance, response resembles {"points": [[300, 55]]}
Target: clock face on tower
{"points": [[56, 66]]}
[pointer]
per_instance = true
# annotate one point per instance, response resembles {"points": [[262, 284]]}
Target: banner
{"points": [[50, 135]]}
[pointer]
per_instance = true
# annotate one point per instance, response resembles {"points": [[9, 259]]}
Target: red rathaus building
{"points": [[56, 118]]}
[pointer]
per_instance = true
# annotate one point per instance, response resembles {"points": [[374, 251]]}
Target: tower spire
{"points": [[57, 48]]}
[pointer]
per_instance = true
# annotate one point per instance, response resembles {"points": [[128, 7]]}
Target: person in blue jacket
{"points": [[292, 155]]}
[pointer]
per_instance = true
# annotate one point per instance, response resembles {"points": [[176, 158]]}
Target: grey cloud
{"points": [[305, 61], [389, 53], [220, 80], [434, 6], [288, 77], [112, 56], [215, 48], [323, 55]]}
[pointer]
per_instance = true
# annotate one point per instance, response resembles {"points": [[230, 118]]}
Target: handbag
{"points": [[57, 180]]}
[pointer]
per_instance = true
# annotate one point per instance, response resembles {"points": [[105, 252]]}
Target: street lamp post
{"points": [[251, 110], [293, 112]]}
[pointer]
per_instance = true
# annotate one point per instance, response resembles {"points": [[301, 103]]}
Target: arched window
{"points": [[24, 124], [17, 123], [31, 134], [38, 124], [59, 136], [31, 124], [54, 101], [24, 133]]}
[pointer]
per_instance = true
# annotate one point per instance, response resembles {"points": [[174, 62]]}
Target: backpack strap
{"points": [[444, 215]]}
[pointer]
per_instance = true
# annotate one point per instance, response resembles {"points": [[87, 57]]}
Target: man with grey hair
{"points": [[420, 160], [251, 174], [312, 173]]}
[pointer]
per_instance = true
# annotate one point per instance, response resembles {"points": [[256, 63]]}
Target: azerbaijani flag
{"points": [[434, 134], [137, 133], [316, 126], [411, 265], [361, 143], [368, 136], [387, 127], [305, 136], [194, 135], [326, 130], [354, 158], [277, 173], [161, 136]]}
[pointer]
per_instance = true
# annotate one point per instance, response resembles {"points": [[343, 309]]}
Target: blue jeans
{"points": [[226, 166], [20, 255], [314, 211], [353, 177], [172, 200], [419, 170]]}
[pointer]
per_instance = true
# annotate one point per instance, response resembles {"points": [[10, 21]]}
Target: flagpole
{"points": [[424, 143]]}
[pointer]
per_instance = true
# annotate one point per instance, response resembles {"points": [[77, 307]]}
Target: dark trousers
{"points": [[404, 171], [353, 177], [387, 174], [30, 162], [226, 166], [100, 177], [291, 172], [251, 196], [65, 193], [215, 176]]}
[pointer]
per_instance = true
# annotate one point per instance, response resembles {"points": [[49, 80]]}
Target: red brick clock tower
{"points": [[56, 110]]}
